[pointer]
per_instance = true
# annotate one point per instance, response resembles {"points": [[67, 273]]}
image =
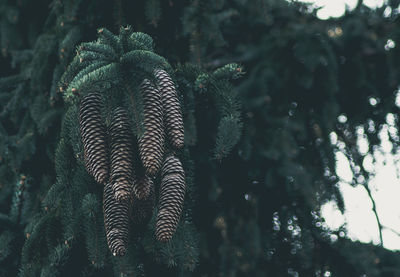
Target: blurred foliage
{"points": [[311, 88]]}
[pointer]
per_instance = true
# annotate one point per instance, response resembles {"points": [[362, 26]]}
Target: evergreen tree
{"points": [[100, 177]]}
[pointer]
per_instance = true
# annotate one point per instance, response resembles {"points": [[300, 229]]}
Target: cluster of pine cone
{"points": [[109, 158]]}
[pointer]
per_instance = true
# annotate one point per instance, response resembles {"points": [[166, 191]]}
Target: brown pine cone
{"points": [[121, 155], [172, 196], [142, 209], [151, 143], [143, 187], [93, 133], [172, 165], [116, 221], [172, 109]]}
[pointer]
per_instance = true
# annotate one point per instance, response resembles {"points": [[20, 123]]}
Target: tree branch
{"points": [[359, 4], [375, 212], [353, 156], [391, 229]]}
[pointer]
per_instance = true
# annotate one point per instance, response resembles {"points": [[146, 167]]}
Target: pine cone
{"points": [[172, 166], [151, 143], [142, 209], [172, 109], [172, 194], [93, 134], [143, 187], [121, 148], [116, 221]]}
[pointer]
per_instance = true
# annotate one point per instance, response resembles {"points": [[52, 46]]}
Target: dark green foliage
{"points": [[6, 239], [229, 130], [153, 11], [21, 202], [60, 215], [225, 98], [202, 21], [94, 230], [302, 74], [258, 156], [150, 142]]}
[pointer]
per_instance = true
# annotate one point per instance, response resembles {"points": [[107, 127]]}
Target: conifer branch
{"points": [[378, 221]]}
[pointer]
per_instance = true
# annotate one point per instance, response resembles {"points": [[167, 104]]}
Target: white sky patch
{"points": [[392, 240], [343, 168], [335, 219], [336, 8], [397, 101], [359, 218]]}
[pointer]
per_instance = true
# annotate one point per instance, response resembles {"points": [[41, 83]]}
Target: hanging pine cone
{"points": [[93, 134], [121, 155], [143, 186], [172, 194], [151, 143], [172, 109], [142, 209], [116, 221], [172, 166]]}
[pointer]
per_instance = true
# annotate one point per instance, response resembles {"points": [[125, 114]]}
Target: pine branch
{"points": [[380, 227], [359, 5]]}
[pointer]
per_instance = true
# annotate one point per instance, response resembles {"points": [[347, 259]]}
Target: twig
{"points": [[359, 4], [375, 212], [392, 230], [352, 156]]}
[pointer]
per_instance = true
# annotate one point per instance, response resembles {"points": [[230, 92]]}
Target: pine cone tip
{"points": [[101, 176], [178, 143], [121, 196], [164, 231], [121, 251], [164, 239], [151, 171]]}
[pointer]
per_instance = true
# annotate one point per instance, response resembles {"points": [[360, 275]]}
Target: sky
{"points": [[359, 219], [336, 8]]}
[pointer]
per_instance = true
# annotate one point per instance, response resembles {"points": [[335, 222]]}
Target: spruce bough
{"points": [[116, 146], [124, 128]]}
